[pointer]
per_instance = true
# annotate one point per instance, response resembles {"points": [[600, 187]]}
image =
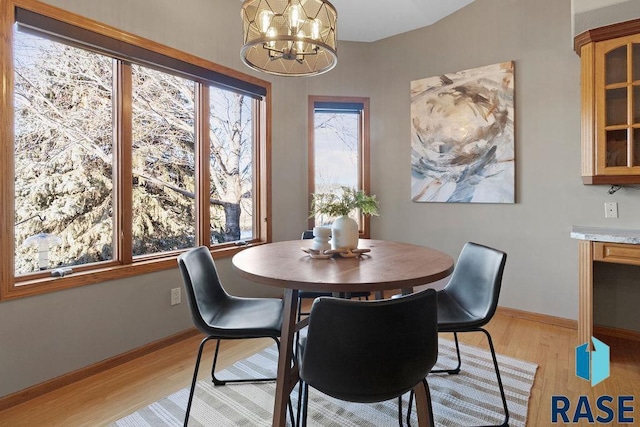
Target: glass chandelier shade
{"points": [[289, 37]]}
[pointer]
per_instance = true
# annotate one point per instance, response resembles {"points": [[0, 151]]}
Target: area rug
{"points": [[470, 398]]}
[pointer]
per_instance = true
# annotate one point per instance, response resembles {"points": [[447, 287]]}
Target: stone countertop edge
{"points": [[603, 234]]}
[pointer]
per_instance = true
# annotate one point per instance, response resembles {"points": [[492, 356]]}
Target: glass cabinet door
{"points": [[618, 106]]}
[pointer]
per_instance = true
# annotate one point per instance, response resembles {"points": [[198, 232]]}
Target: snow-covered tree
{"points": [[65, 156]]}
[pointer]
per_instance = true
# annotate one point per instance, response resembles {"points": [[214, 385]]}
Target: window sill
{"points": [[46, 284]]}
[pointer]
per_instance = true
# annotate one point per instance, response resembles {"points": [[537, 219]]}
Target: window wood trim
{"points": [[123, 265], [123, 178], [67, 32], [6, 154], [364, 151], [203, 210]]}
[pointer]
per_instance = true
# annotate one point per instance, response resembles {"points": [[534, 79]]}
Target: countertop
{"points": [[601, 234]]}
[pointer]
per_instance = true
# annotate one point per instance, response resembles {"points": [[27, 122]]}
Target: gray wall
{"points": [[48, 335]]}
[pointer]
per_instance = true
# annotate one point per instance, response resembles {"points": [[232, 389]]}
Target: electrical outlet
{"points": [[175, 296], [611, 210]]}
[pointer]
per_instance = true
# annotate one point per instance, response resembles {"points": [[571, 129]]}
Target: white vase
{"points": [[344, 233], [321, 237]]}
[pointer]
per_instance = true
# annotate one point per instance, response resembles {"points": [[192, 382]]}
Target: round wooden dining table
{"points": [[388, 265]]}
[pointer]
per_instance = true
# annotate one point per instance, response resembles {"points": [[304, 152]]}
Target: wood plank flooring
{"points": [[108, 396]]}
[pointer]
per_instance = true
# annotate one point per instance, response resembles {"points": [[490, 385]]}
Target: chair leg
{"points": [[299, 411], [297, 340], [505, 422], [194, 380], [400, 410], [455, 370], [429, 405], [409, 409], [304, 398], [299, 314], [217, 381], [291, 415]]}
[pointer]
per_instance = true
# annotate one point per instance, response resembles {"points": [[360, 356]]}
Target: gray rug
{"points": [[468, 399]]}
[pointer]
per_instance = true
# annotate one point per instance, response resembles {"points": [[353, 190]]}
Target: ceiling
{"points": [[371, 20]]}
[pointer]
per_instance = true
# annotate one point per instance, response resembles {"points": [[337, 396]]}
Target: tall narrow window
{"points": [[63, 151], [230, 166], [163, 162], [339, 148]]}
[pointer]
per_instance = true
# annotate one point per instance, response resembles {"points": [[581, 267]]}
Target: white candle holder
{"points": [[321, 236]]}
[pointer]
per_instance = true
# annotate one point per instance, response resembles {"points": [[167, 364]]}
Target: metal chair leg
{"points": [[455, 370], [194, 380], [409, 409], [505, 422], [217, 381], [290, 406], [299, 411], [302, 422]]}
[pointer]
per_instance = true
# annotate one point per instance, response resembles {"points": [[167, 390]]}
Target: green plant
{"points": [[343, 203]]}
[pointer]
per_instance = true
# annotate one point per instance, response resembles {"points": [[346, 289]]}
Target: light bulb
{"points": [[294, 17], [315, 29], [300, 44], [264, 19], [272, 33]]}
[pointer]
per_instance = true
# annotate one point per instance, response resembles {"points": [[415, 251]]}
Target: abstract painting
{"points": [[462, 136]]}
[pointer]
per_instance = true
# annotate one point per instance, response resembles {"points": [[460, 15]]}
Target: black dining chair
{"points": [[220, 316], [469, 301], [302, 294], [369, 351]]}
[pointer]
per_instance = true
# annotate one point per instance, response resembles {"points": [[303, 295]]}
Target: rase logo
{"points": [[593, 365]]}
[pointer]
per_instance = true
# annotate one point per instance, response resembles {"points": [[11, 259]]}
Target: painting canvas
{"points": [[462, 136]]}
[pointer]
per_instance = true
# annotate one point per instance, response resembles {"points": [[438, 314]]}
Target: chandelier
{"points": [[289, 37]]}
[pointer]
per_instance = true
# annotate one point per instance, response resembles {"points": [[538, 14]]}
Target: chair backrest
{"points": [[307, 234], [370, 351], [477, 278], [202, 285]]}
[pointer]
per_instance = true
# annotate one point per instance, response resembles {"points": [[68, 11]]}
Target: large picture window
{"points": [[121, 153], [338, 149]]}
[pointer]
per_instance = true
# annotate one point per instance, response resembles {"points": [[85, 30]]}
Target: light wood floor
{"points": [[108, 396]]}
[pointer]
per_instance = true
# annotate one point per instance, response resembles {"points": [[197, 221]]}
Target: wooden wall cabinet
{"points": [[610, 76]]}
